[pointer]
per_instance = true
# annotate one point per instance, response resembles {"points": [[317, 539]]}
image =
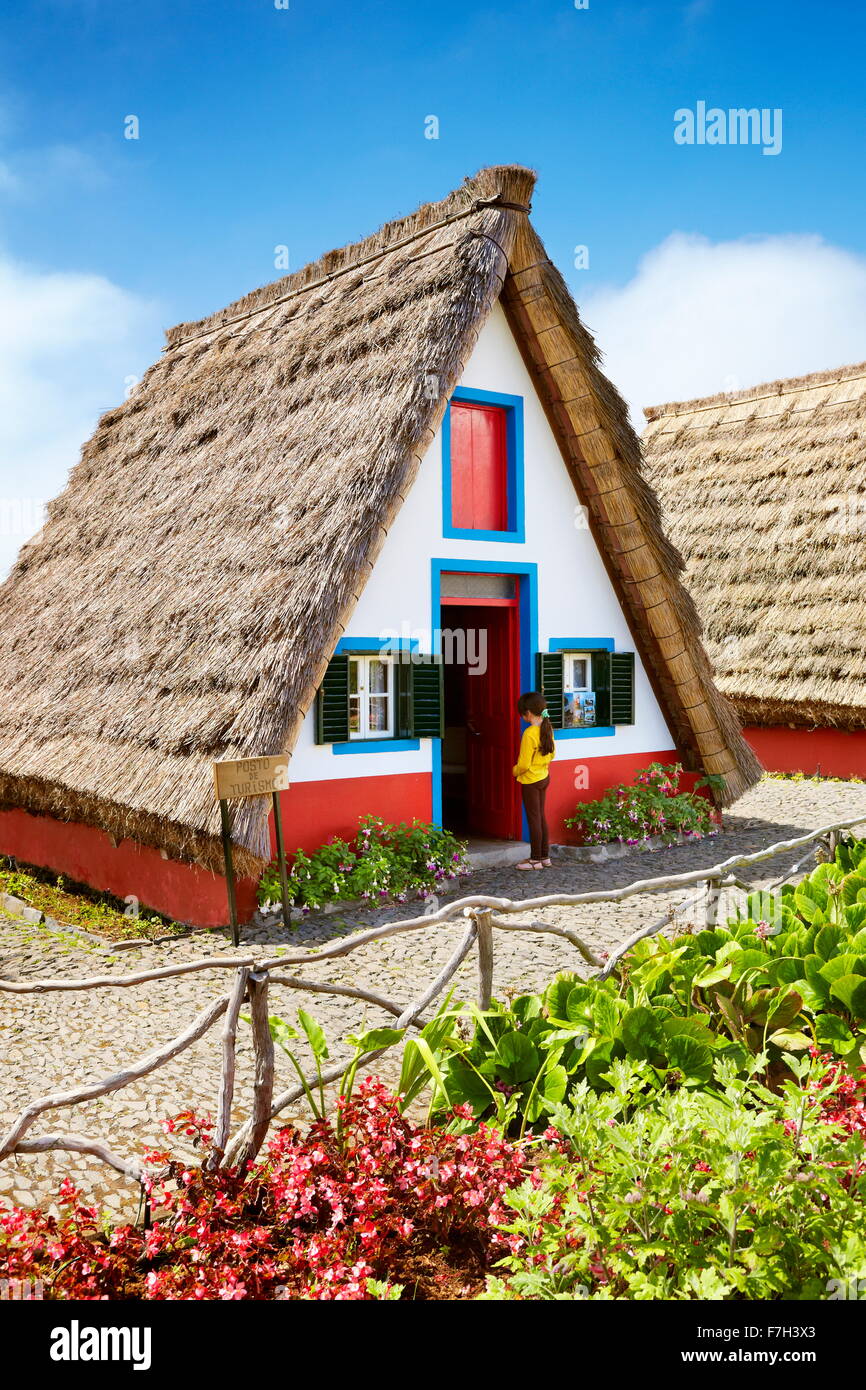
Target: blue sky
{"points": [[305, 126]]}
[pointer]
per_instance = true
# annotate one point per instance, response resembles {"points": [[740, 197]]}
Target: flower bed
{"points": [[68, 904], [691, 1128], [383, 862], [652, 807], [385, 1208]]}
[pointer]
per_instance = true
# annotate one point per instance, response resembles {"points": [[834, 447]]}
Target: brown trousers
{"points": [[534, 795]]}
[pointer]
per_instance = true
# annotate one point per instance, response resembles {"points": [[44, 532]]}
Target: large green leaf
{"points": [[692, 1058], [579, 1006], [828, 940], [832, 1031], [463, 1084], [691, 1027], [280, 1031], [315, 1034], [597, 1063], [517, 1058], [375, 1038], [556, 994], [550, 1092], [605, 1015], [845, 964], [786, 970], [641, 1032], [790, 1042], [851, 990], [854, 888], [784, 1008], [713, 974]]}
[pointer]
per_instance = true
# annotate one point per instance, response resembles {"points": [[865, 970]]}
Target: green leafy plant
{"points": [[383, 862], [735, 1192], [786, 977], [651, 806]]}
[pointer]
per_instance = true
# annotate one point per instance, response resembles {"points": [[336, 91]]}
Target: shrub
{"points": [[651, 806], [786, 977], [383, 861], [689, 1194], [389, 1207]]}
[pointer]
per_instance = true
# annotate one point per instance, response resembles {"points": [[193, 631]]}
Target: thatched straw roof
{"points": [[764, 492], [193, 578]]}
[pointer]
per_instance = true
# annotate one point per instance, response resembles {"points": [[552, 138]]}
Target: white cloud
{"points": [[701, 316], [69, 343]]}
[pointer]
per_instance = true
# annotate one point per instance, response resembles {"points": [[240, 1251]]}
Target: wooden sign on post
{"points": [[251, 777], [236, 779]]}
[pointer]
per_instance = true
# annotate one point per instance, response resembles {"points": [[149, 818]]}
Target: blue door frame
{"points": [[527, 575]]}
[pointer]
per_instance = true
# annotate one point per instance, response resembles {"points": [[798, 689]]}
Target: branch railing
{"points": [[484, 916]]}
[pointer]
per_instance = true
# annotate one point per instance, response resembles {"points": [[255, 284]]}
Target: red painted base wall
{"points": [[185, 892], [829, 752], [312, 811]]}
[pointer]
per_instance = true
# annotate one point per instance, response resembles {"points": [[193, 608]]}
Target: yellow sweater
{"points": [[532, 764]]}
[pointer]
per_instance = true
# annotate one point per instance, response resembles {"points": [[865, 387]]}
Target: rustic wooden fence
{"points": [[253, 979]]}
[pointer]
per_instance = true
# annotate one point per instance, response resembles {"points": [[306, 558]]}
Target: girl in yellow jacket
{"points": [[537, 751]]}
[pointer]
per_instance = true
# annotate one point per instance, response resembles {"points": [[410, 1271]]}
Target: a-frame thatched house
{"points": [[764, 492], [406, 447]]}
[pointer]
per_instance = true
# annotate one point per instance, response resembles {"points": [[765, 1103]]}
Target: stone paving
{"points": [[55, 1041]]}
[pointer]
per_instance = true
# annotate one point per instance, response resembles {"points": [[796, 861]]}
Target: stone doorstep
{"points": [[600, 854]]}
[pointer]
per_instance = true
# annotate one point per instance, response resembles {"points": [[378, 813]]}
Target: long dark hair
{"points": [[533, 702]]}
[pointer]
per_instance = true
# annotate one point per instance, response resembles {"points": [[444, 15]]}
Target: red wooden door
{"points": [[479, 467], [493, 728]]}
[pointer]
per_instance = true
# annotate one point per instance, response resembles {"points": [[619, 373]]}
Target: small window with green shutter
{"points": [[376, 697], [584, 689]]}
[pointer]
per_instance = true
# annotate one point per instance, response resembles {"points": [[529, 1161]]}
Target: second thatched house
{"points": [[350, 516], [764, 492]]}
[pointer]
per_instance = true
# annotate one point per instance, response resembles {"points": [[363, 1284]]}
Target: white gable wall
{"points": [[575, 596]]}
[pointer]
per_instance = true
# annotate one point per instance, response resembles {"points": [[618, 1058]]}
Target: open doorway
{"points": [[481, 651]]}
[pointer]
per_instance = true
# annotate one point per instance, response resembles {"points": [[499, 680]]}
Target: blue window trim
{"points": [[513, 406], [583, 644], [378, 745], [362, 646], [528, 614], [596, 731]]}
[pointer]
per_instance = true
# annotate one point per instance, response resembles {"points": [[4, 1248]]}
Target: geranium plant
{"points": [[650, 807], [383, 862]]}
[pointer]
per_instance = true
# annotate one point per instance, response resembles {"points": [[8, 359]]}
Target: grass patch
{"points": [[77, 905]]}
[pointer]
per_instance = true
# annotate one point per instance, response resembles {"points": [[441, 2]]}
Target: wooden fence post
{"points": [[484, 923], [263, 1084], [714, 893], [227, 1077]]}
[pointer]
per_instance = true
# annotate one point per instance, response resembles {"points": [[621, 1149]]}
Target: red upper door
{"points": [[479, 467]]}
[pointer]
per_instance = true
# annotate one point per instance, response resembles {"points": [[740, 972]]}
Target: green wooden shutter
{"points": [[403, 678], [601, 685], [332, 703], [622, 687], [426, 704], [548, 679]]}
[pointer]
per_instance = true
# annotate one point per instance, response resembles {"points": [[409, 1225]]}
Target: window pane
{"points": [[378, 676], [378, 714], [354, 714], [353, 677]]}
